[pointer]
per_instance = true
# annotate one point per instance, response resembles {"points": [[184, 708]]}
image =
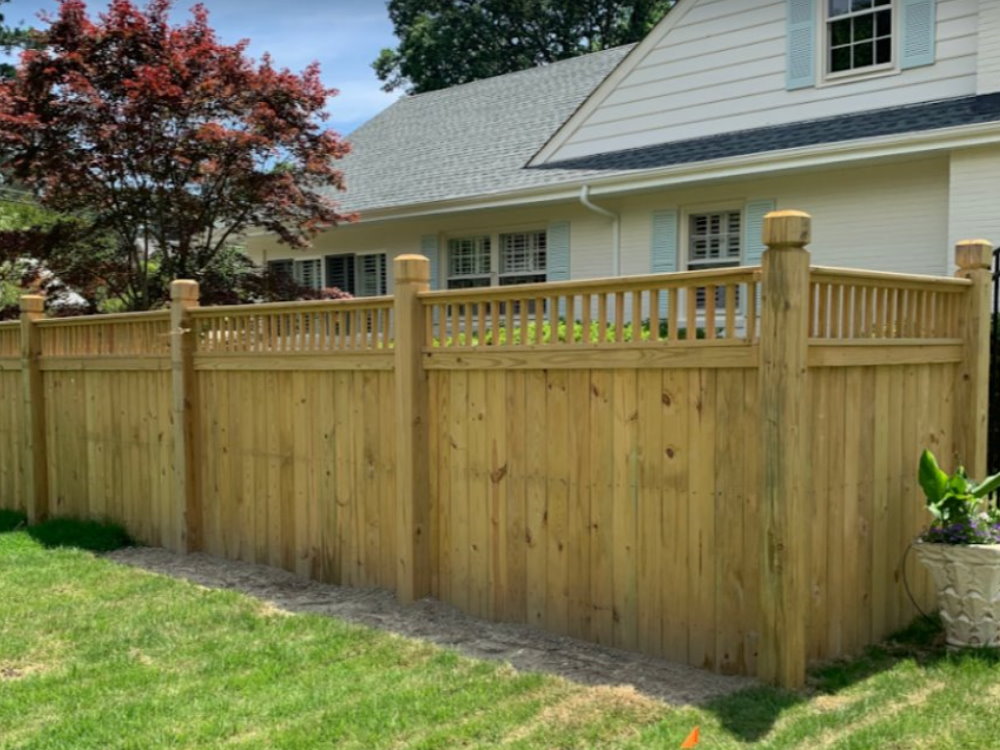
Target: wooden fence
{"points": [[717, 466]]}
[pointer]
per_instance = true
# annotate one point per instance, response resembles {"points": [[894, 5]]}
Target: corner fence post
{"points": [[184, 411], [413, 518], [784, 341], [974, 259], [36, 478]]}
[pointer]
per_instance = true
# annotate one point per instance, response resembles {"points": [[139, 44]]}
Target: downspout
{"points": [[616, 240]]}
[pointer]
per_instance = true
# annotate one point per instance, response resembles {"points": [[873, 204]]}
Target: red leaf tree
{"points": [[169, 140]]}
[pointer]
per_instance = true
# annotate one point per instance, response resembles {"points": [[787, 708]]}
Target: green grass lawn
{"points": [[96, 655]]}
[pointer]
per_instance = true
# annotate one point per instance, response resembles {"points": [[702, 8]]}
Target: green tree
{"points": [[446, 42], [13, 38]]}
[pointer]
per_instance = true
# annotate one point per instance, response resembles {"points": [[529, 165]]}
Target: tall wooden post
{"points": [[784, 341], [187, 487], [412, 275], [972, 396], [36, 467]]}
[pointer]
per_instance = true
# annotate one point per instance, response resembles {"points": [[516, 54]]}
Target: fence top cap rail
{"points": [[312, 305], [717, 277], [887, 277], [9, 324], [106, 318]]}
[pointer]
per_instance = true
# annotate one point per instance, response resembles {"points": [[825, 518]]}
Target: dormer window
{"points": [[859, 35]]}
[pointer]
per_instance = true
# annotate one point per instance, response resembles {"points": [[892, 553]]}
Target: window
{"points": [[469, 262], [497, 259], [307, 273], [522, 258], [714, 241], [360, 275], [859, 34]]}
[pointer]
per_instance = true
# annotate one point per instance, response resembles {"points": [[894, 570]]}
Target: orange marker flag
{"points": [[692, 739]]}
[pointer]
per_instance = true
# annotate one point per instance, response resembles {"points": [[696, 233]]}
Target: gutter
{"points": [[616, 234]]}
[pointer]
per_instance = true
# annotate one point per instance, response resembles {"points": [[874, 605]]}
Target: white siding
{"points": [[988, 79], [975, 195], [891, 217], [721, 68]]}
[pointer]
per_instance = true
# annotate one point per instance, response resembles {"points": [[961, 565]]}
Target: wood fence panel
{"points": [[299, 471], [110, 447], [12, 452], [616, 511], [868, 426]]}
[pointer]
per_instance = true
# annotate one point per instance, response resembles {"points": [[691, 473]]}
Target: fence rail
{"points": [[609, 458]]}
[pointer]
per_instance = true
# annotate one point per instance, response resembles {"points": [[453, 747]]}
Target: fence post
{"points": [[412, 276], [187, 489], [36, 467], [974, 259], [784, 342]]}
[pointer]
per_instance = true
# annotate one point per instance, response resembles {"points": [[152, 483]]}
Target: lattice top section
{"points": [[697, 307], [127, 334], [10, 339], [296, 327], [851, 304]]}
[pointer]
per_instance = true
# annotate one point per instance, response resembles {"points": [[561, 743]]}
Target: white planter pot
{"points": [[967, 578]]}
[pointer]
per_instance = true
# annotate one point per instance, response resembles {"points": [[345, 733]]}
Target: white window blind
{"points": [[371, 275], [522, 257]]}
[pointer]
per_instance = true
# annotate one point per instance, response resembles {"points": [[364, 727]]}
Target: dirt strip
{"points": [[523, 647]]}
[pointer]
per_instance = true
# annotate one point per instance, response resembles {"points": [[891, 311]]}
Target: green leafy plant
{"points": [[963, 511]]}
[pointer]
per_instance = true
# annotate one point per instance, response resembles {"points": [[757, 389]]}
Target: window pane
{"points": [[284, 268], [883, 23], [340, 272], [883, 51], [864, 27], [468, 283], [523, 252], [371, 275], [840, 59], [864, 54], [525, 279], [308, 273], [839, 7], [714, 239], [882, 2], [861, 5], [469, 256], [840, 32]]}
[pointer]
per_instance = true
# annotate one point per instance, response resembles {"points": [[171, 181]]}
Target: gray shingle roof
{"points": [[968, 110], [468, 140]]}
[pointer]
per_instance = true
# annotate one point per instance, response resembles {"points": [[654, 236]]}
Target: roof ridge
{"points": [[532, 69]]}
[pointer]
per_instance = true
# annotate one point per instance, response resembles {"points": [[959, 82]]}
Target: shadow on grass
{"points": [[92, 536], [750, 714]]}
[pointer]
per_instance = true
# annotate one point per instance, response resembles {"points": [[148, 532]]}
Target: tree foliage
{"points": [[446, 42], [169, 142]]}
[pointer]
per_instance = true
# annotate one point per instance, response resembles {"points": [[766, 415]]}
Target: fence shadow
{"points": [[92, 536], [750, 714]]}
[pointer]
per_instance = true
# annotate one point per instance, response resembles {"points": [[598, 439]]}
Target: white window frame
{"points": [[871, 71], [684, 249], [496, 275]]}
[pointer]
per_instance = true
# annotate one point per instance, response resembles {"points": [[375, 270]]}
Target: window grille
{"points": [[714, 241]]}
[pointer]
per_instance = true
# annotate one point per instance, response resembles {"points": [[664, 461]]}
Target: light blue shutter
{"points": [[663, 258], [801, 44], [753, 242], [429, 247], [557, 252], [918, 28]]}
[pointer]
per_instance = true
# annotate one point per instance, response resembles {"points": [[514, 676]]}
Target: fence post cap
{"points": [[183, 289], [974, 254], [787, 229], [32, 303], [411, 268]]}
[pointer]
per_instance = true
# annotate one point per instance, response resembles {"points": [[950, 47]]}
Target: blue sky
{"points": [[343, 35]]}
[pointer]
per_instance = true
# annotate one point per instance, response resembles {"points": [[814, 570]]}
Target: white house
{"points": [[879, 117]]}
